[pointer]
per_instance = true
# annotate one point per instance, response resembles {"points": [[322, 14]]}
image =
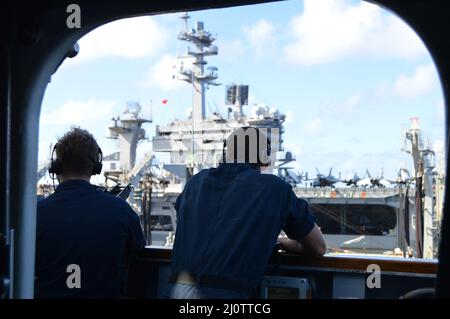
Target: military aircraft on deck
{"points": [[352, 181], [322, 181]]}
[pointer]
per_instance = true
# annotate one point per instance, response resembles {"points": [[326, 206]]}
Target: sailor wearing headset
{"points": [[84, 237]]}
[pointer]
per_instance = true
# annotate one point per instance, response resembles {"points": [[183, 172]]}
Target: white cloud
{"points": [[231, 50], [261, 37], [78, 112], [126, 38], [422, 81], [353, 101], [328, 30], [342, 109], [163, 73], [315, 127], [394, 38], [290, 115]]}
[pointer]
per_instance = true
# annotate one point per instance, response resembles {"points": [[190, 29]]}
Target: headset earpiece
{"points": [[55, 164], [98, 165], [55, 167], [224, 160]]}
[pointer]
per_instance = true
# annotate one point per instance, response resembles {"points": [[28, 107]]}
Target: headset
{"points": [[55, 164], [259, 134]]}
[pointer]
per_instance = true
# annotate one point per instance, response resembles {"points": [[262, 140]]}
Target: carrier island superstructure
{"points": [[193, 143], [401, 220]]}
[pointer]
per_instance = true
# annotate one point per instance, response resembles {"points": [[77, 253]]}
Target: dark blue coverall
{"points": [[229, 219], [96, 231]]}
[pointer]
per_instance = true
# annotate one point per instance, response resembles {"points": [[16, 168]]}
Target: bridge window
{"points": [[351, 87]]}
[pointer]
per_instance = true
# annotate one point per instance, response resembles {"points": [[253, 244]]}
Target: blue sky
{"points": [[347, 74]]}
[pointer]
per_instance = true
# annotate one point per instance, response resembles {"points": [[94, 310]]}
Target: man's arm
{"points": [[137, 241], [304, 236], [312, 244]]}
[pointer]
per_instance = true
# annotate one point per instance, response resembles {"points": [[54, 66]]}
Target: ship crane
{"points": [[426, 221]]}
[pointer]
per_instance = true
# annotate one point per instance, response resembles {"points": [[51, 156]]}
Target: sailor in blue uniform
{"points": [[229, 219], [85, 237]]}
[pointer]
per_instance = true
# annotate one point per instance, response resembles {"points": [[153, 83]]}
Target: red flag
{"points": [[164, 101]]}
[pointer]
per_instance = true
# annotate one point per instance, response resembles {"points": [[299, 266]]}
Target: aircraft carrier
{"points": [[400, 220]]}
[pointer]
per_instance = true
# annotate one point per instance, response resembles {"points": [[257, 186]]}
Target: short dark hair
{"points": [[77, 152], [248, 145]]}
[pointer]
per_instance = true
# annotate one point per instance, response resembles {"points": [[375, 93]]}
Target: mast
{"points": [[203, 46]]}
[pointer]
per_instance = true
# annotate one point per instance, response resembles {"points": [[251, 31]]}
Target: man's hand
{"points": [[312, 244], [290, 245]]}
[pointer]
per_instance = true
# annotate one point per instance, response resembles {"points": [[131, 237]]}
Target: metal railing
{"points": [[350, 192]]}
